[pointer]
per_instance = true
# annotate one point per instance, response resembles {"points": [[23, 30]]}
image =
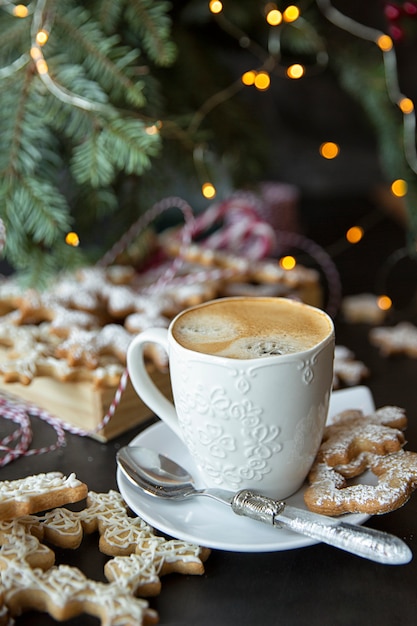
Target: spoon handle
{"points": [[366, 542]]}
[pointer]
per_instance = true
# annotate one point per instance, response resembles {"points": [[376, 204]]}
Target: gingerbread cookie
{"points": [[31, 581], [330, 493], [351, 433], [265, 271], [399, 339], [38, 493], [347, 369], [352, 444], [363, 308]]}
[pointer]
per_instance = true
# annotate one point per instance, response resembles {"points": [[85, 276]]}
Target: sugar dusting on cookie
{"points": [[353, 444]]}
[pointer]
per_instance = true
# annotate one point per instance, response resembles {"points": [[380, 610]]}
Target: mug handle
{"points": [[143, 383]]}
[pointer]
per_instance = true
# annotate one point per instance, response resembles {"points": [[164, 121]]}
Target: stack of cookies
{"points": [[353, 444], [31, 581]]}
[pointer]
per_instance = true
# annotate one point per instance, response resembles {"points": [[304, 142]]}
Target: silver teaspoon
{"points": [[159, 476]]}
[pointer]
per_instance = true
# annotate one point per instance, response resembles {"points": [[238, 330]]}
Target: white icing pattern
{"points": [[139, 557]]}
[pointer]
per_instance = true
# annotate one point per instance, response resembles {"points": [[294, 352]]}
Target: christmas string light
{"points": [[72, 239], [354, 234], [208, 189], [39, 36], [287, 262], [387, 269], [270, 60], [385, 44], [399, 187], [295, 71], [215, 6], [329, 150], [384, 303], [273, 16], [291, 15], [211, 103], [40, 32], [15, 66], [17, 10]]}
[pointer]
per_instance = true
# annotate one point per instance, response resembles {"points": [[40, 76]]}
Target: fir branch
{"points": [[14, 32], [16, 146], [36, 217], [150, 19], [129, 146], [91, 162], [35, 209], [109, 14], [104, 59], [73, 122], [57, 156]]}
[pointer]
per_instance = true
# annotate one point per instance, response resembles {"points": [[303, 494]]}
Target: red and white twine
{"points": [[17, 443]]}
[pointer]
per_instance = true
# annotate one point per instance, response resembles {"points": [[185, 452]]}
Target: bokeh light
{"points": [[354, 234]]}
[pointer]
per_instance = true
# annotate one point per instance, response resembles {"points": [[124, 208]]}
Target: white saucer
{"points": [[212, 524]]}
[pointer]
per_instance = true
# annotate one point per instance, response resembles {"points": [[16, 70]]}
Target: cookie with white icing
{"points": [[32, 494], [31, 581]]}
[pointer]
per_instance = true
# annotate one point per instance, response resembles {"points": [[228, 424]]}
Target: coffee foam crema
{"points": [[242, 328]]}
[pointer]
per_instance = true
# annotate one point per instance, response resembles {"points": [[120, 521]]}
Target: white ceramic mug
{"points": [[256, 422]]}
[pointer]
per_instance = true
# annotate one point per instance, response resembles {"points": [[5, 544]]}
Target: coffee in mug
{"points": [[251, 380], [247, 328]]}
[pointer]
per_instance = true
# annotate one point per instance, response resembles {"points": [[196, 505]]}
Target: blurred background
{"points": [[108, 108]]}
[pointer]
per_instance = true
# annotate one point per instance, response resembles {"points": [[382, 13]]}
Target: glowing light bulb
{"points": [[384, 42], [42, 66], [248, 78], [215, 6], [20, 10], [384, 303], [274, 17], [152, 130], [329, 150], [291, 13], [42, 37], [208, 190], [262, 81], [287, 262], [354, 234], [72, 239], [35, 53], [406, 105], [399, 188], [295, 71]]}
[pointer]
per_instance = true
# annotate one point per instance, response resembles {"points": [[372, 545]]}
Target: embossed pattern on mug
{"points": [[261, 441]]}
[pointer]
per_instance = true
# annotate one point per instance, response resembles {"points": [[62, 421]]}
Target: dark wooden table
{"points": [[314, 585], [317, 585]]}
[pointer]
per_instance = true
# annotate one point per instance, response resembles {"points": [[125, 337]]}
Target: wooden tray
{"points": [[80, 405]]}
